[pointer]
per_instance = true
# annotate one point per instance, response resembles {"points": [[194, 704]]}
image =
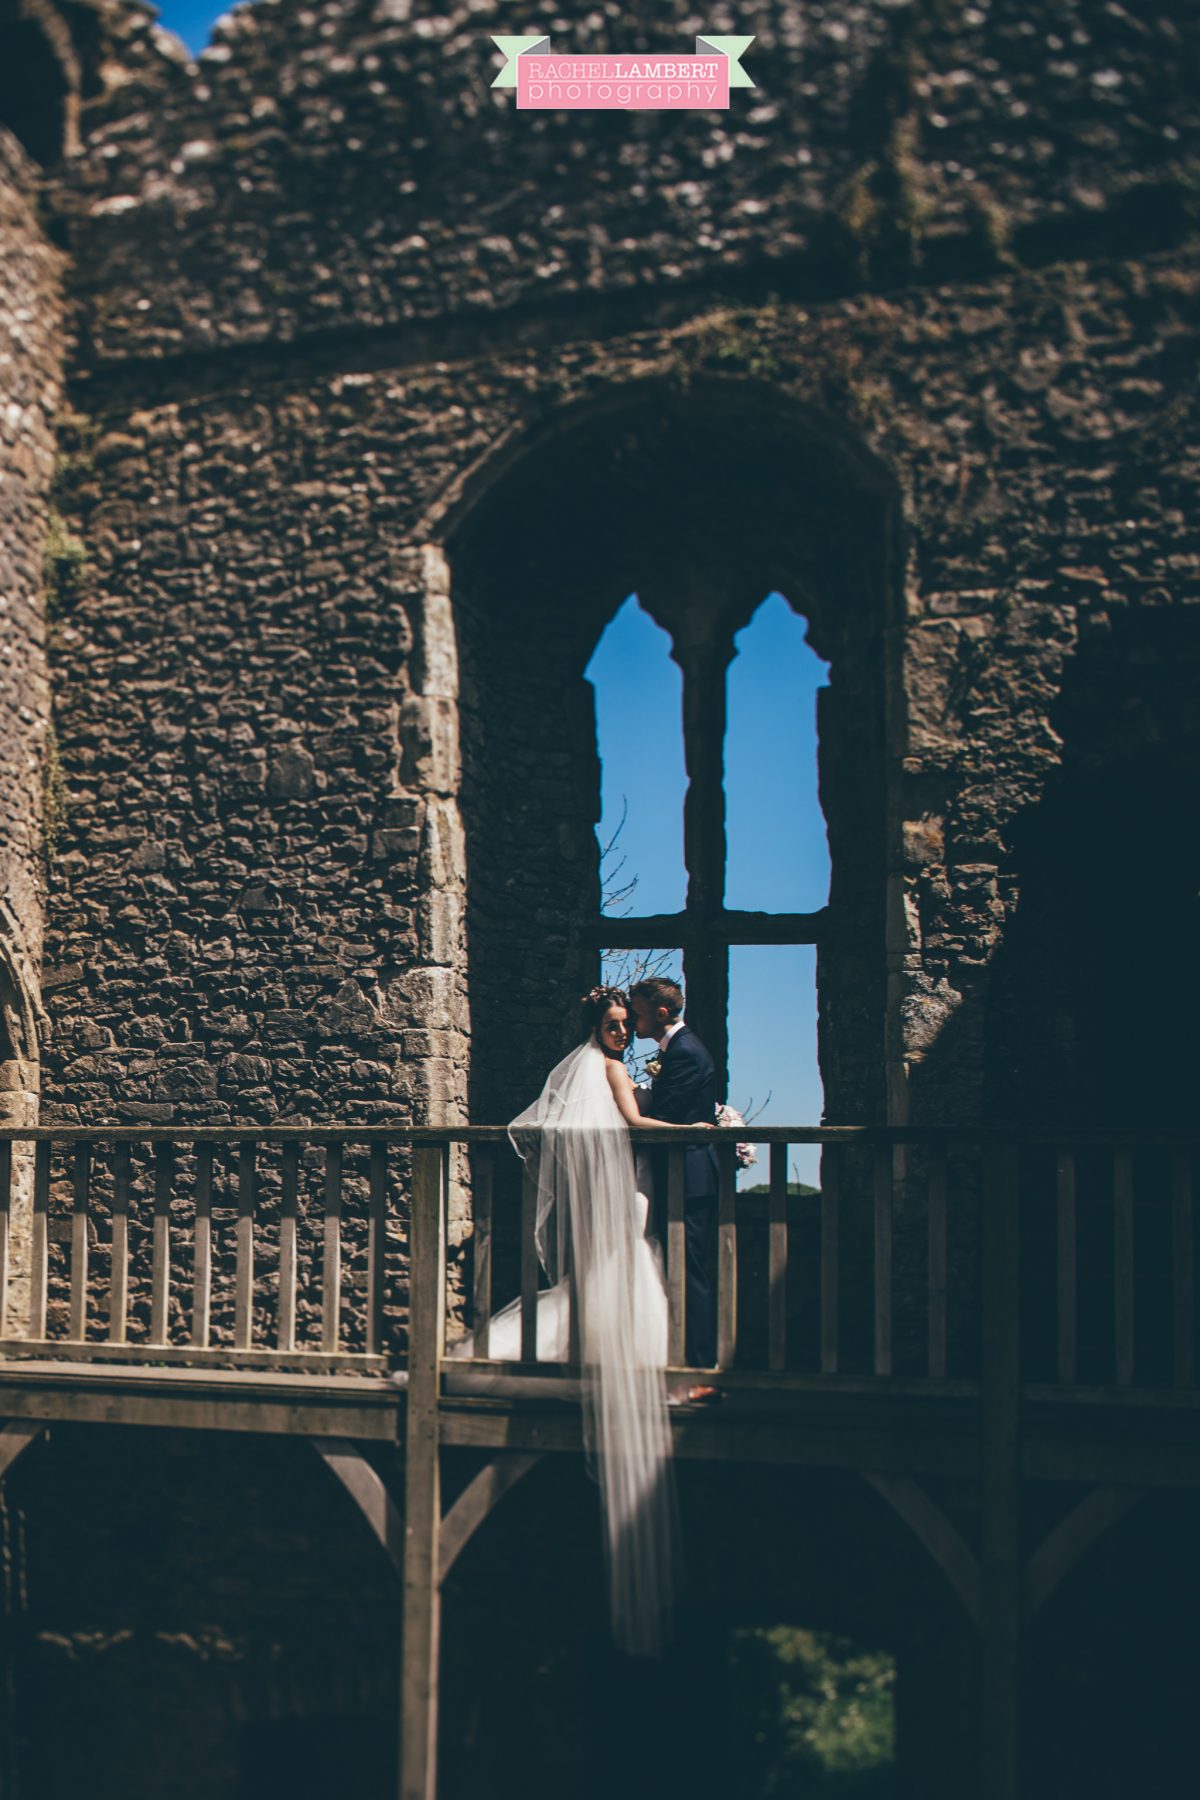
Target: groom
{"points": [[684, 1092]]}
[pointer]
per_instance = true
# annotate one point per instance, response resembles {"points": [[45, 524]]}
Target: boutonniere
{"points": [[654, 1068]]}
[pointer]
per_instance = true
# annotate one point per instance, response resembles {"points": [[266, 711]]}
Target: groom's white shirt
{"points": [[669, 1033]]}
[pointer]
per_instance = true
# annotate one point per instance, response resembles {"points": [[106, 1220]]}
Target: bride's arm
{"points": [[622, 1092]]}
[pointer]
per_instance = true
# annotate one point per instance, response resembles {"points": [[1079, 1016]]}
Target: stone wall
{"points": [[347, 165], [34, 551], [258, 761]]}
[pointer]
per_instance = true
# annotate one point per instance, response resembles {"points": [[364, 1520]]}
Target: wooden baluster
{"points": [[777, 1260], [1068, 1335], [118, 1292], [481, 1287], [376, 1245], [6, 1173], [727, 1258], [676, 1260], [574, 1327], [331, 1298], [937, 1263], [160, 1255], [79, 1242], [289, 1203], [1123, 1265], [243, 1266], [1183, 1269], [831, 1191], [39, 1242], [202, 1263], [883, 1259], [1000, 1469], [421, 1613], [529, 1269]]}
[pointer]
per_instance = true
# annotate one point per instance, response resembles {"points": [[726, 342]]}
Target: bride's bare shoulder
{"points": [[618, 1074]]}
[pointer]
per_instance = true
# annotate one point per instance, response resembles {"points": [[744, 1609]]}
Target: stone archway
{"points": [[40, 79], [702, 498]]}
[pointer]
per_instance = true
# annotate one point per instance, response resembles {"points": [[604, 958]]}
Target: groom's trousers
{"points": [[700, 1310]]}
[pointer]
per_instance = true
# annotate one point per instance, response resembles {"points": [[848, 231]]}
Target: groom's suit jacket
{"points": [[685, 1093]]}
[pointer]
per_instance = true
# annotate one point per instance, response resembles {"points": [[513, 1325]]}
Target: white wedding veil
{"points": [[577, 1150]]}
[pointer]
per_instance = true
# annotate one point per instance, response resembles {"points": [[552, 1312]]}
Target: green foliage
{"points": [[64, 562], [732, 341], [820, 1711], [796, 1188]]}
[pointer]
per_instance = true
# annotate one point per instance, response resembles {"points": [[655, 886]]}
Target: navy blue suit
{"points": [[685, 1093]]}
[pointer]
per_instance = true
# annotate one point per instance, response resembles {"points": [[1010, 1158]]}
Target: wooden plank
{"points": [[187, 1355], [1000, 1478], [39, 1240], [422, 1484], [118, 1290], [831, 1188], [160, 1254], [376, 1246], [243, 1270], [77, 1329], [882, 1166], [529, 1269], [1123, 1265], [482, 1189], [289, 1206], [727, 1257], [331, 1294], [777, 1259], [937, 1264], [1183, 1269], [202, 1249], [6, 1188], [676, 1259], [1068, 1332]]}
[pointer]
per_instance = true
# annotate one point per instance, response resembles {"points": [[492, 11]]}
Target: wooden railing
{"points": [[293, 1246], [1081, 1245], [239, 1246]]}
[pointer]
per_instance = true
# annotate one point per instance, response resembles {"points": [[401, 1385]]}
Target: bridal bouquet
{"points": [[746, 1153]]}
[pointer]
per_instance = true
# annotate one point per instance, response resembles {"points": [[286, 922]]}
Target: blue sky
{"points": [[778, 856], [192, 20]]}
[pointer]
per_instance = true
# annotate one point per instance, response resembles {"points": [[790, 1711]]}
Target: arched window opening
{"points": [[39, 79], [778, 848], [715, 505], [639, 708]]}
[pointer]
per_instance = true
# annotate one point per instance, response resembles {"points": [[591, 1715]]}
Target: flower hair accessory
{"points": [[594, 995]]}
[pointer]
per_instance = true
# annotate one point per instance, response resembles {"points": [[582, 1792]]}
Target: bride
{"points": [[591, 1216]]}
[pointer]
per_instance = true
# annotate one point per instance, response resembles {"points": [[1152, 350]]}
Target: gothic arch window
{"points": [[702, 503], [750, 740]]}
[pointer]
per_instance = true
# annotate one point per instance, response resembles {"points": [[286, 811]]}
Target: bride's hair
{"points": [[595, 1003]]}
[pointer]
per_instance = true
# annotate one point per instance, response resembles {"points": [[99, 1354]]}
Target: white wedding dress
{"points": [[554, 1303], [591, 1216]]}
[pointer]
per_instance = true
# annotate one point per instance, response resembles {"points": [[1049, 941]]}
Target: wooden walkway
{"points": [[213, 1280]]}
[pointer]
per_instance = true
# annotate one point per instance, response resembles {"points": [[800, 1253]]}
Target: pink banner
{"points": [[622, 83]]}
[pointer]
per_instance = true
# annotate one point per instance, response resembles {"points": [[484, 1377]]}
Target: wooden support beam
{"points": [[16, 1437], [366, 1487], [1000, 1473], [477, 1500], [727, 1257], [422, 1486]]}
